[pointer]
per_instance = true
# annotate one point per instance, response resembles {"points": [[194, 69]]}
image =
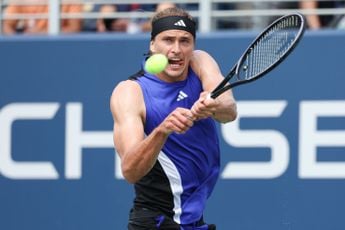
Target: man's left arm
{"points": [[222, 108]]}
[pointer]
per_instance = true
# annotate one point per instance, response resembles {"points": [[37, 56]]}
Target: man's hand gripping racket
{"points": [[269, 49]]}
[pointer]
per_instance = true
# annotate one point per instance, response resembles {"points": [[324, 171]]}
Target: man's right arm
{"points": [[139, 153]]}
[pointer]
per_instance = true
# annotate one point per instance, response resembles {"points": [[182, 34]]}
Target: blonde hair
{"points": [[173, 11]]}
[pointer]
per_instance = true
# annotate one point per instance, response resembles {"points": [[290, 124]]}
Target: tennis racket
{"points": [[269, 49]]}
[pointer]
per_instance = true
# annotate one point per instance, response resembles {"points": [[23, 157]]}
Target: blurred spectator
{"points": [[90, 24], [105, 23], [108, 23], [39, 26], [251, 21], [226, 23], [146, 26], [316, 21], [260, 22], [143, 24], [341, 22], [189, 6], [164, 5]]}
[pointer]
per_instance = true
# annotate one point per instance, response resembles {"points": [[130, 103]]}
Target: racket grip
{"points": [[212, 95]]}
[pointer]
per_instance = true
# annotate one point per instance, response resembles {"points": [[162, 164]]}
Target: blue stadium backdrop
{"points": [[283, 159]]}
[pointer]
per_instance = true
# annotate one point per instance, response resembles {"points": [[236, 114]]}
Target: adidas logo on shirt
{"points": [[180, 23], [181, 95]]}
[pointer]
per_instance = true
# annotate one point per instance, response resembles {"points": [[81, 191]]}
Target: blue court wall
{"points": [[283, 159]]}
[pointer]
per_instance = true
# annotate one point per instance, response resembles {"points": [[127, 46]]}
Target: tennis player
{"points": [[165, 131]]}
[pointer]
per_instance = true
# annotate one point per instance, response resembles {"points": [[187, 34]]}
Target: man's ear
{"points": [[152, 49]]}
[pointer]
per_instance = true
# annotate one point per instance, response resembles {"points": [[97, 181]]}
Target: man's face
{"points": [[178, 46]]}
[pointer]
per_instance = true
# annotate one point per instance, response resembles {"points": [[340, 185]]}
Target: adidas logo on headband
{"points": [[180, 23], [173, 23]]}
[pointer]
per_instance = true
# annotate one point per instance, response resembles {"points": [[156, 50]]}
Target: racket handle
{"points": [[213, 95]]}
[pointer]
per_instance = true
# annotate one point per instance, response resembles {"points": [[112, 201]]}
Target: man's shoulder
{"points": [[127, 86], [127, 98]]}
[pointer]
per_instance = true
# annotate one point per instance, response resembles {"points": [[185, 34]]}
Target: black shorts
{"points": [[145, 219]]}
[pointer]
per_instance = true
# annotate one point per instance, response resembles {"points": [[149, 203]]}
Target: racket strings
{"points": [[266, 52], [270, 47]]}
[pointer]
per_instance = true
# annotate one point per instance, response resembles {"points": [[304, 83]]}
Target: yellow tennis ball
{"points": [[156, 63]]}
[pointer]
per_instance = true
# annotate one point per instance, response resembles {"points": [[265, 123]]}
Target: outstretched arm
{"points": [[223, 108]]}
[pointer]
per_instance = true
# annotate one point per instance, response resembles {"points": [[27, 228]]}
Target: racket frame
{"points": [[225, 85]]}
